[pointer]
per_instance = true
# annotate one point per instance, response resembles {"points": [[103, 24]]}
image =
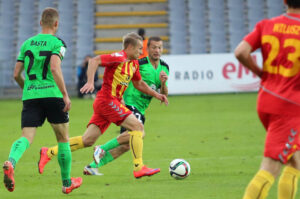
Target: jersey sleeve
{"points": [[59, 49], [109, 60], [254, 37], [137, 75], [21, 55]]}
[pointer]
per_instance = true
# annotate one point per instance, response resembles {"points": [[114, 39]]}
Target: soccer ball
{"points": [[179, 169]]}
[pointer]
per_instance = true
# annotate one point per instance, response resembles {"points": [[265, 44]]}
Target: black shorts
{"points": [[137, 114], [35, 111]]}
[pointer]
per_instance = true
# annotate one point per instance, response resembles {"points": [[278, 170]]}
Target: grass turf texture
{"points": [[219, 135]]}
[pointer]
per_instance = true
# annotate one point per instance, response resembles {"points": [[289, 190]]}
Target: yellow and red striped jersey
{"points": [[117, 74]]}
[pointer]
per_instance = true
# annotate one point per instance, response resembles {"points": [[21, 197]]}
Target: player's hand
{"points": [[67, 102], [87, 88], [163, 77], [163, 99]]}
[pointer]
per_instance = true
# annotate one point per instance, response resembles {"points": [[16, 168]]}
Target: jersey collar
{"points": [[124, 53], [292, 16], [151, 63]]}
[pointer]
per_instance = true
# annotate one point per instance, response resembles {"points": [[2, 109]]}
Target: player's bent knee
{"points": [[91, 135], [88, 141], [139, 127]]}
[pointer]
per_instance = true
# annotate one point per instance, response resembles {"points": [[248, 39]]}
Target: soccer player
{"points": [[120, 68], [154, 72], [44, 96], [278, 102]]}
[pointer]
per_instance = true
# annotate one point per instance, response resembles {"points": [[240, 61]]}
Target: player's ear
{"points": [[56, 24], [41, 23]]}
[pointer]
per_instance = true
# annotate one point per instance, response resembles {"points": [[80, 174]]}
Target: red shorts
{"points": [[107, 111], [282, 138]]}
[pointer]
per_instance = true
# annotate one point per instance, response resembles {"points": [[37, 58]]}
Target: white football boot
{"points": [[98, 154], [88, 170]]}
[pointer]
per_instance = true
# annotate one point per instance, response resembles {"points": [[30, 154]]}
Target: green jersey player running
{"points": [[154, 72], [44, 96]]}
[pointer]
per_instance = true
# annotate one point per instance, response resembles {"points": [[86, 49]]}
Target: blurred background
{"points": [[93, 27]]}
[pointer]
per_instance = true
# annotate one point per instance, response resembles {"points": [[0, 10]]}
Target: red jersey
{"points": [[279, 40], [117, 74]]}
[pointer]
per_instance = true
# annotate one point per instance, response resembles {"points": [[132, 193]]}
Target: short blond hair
{"points": [[131, 38], [49, 16]]}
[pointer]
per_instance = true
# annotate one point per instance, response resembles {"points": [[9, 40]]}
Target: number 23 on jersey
{"points": [[293, 56]]}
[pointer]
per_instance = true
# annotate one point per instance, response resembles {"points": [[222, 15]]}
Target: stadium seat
{"points": [[85, 17], [273, 12], [236, 13], [215, 5], [255, 14], [196, 4], [7, 18], [83, 51], [255, 4], [27, 18], [7, 5], [235, 4], [85, 5], [218, 37], [275, 8], [275, 4], [7, 31], [178, 48], [42, 4], [237, 25], [178, 33], [84, 30], [65, 5], [197, 43], [6, 54], [218, 47], [234, 39]]}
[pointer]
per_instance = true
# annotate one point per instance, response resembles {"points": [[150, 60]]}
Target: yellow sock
{"points": [[288, 182], [136, 146], [75, 144], [259, 186]]}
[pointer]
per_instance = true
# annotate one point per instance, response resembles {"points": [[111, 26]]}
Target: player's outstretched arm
{"points": [[163, 77], [92, 68], [19, 67], [143, 87], [243, 54], [55, 66]]}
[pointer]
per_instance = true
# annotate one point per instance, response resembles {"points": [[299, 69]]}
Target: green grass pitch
{"points": [[219, 135]]}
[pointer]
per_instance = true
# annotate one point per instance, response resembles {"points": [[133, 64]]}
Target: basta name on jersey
{"points": [[38, 43]]}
